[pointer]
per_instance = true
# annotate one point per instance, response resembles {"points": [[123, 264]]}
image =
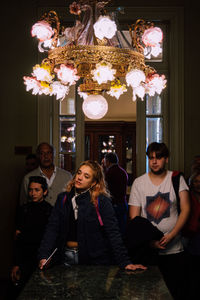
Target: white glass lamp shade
{"points": [[104, 27], [95, 107]]}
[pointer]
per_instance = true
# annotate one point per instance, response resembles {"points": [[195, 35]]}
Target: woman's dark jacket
{"points": [[96, 244]]}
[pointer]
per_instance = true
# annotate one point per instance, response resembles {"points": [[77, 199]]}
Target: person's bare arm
{"points": [[182, 218], [134, 211]]}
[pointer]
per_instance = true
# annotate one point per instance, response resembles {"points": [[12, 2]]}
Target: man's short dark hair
{"points": [[112, 157], [39, 179], [160, 150]]}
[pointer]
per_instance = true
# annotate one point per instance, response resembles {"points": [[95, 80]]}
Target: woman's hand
{"points": [[135, 267], [15, 274], [42, 262]]}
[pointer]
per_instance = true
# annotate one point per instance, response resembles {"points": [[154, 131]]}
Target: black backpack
{"points": [[176, 182]]}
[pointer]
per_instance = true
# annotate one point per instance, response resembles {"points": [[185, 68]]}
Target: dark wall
{"points": [[192, 99], [18, 114]]}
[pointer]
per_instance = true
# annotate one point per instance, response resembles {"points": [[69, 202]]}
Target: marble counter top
{"points": [[95, 283]]}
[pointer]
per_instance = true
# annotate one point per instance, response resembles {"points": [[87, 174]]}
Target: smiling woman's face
{"points": [[84, 178]]}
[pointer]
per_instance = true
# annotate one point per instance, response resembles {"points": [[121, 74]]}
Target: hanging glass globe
{"points": [[95, 107]]}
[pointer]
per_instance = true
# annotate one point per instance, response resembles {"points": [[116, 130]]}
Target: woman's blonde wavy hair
{"points": [[98, 176]]}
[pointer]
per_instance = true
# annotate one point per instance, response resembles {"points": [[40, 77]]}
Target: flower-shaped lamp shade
{"points": [[42, 30], [104, 27], [134, 78], [95, 107], [152, 36], [103, 73]]}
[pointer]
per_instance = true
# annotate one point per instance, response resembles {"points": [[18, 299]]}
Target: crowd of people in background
{"points": [[88, 218]]}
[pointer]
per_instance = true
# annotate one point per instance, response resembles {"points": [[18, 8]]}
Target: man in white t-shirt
{"points": [[153, 197]]}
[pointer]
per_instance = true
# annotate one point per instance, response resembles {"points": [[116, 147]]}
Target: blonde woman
{"points": [[83, 226]]}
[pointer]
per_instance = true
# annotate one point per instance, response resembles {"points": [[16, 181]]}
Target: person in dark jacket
{"points": [[31, 220], [117, 181], [83, 226]]}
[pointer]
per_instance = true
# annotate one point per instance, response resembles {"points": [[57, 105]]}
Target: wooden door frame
{"points": [[117, 128]]}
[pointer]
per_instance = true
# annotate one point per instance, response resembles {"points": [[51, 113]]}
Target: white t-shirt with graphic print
{"points": [[158, 204]]}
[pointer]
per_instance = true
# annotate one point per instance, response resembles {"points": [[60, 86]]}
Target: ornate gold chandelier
{"points": [[92, 50]]}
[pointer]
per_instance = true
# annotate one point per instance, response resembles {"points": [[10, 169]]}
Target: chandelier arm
{"points": [[99, 8], [51, 18], [136, 31], [87, 26]]}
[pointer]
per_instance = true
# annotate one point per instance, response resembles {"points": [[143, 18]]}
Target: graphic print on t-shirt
{"points": [[158, 207]]}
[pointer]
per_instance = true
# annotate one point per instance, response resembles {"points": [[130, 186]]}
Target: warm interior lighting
{"points": [[93, 50], [95, 106]]}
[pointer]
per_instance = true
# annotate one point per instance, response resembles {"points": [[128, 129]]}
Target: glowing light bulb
{"points": [[95, 106]]}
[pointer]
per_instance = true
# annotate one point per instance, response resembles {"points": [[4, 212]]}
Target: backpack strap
{"points": [[64, 200], [98, 213], [176, 182]]}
